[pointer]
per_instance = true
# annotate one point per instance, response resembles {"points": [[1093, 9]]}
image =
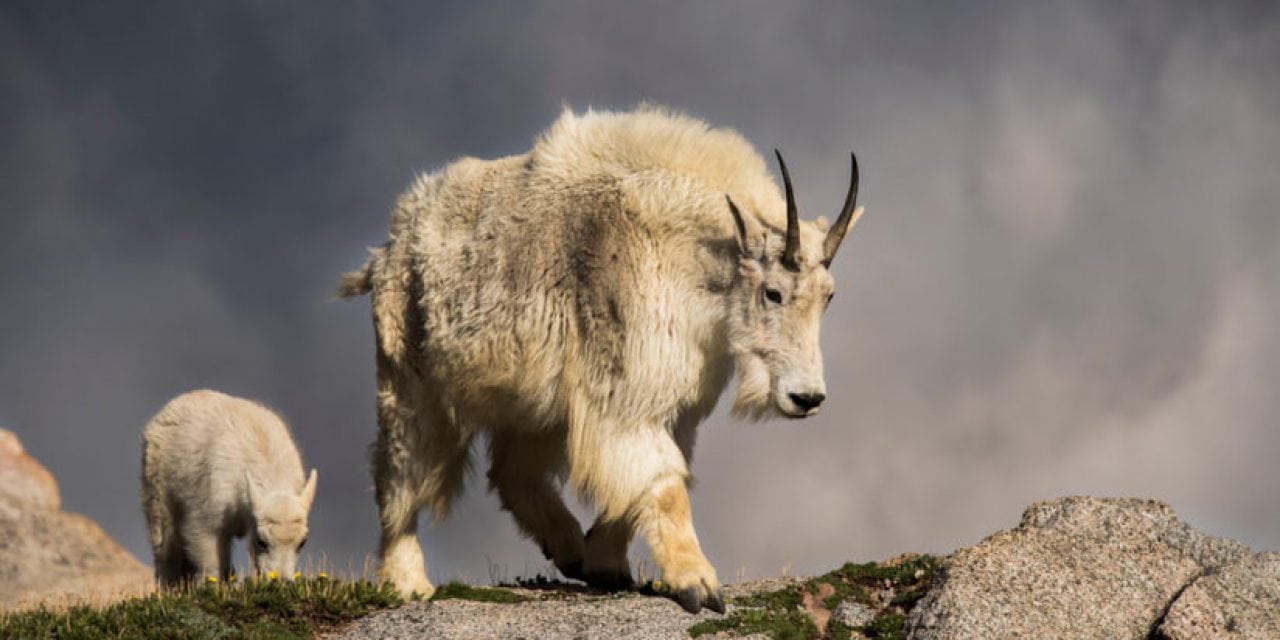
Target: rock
{"points": [[48, 556], [1074, 568], [1136, 517], [563, 612], [1240, 600], [22, 479], [853, 614], [595, 618]]}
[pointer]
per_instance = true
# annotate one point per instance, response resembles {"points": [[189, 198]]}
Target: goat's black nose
{"points": [[807, 401]]}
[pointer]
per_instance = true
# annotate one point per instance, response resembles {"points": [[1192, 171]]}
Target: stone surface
{"points": [[1240, 600], [48, 556], [601, 619], [22, 479], [853, 614], [1074, 568], [556, 614]]}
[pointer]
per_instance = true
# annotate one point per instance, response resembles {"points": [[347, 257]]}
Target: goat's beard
{"points": [[754, 400]]}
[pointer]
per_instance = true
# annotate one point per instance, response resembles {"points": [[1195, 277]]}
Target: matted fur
{"points": [[585, 304], [216, 467]]}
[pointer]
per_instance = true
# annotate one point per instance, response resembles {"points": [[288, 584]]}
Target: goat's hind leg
{"points": [[605, 564], [419, 460], [399, 477], [521, 471]]}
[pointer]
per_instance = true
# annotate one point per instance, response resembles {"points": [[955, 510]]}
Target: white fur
{"points": [[585, 304], [216, 467]]}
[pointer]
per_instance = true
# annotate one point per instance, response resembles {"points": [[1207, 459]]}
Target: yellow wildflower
{"points": [[271, 575], [211, 579]]}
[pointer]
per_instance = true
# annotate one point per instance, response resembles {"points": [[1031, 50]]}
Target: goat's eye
{"points": [[773, 295], [259, 545]]}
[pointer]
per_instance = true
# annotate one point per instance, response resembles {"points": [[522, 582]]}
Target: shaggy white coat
{"points": [[216, 467], [585, 304]]}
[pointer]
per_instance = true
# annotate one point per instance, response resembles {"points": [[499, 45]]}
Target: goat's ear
{"points": [[308, 494], [745, 232]]}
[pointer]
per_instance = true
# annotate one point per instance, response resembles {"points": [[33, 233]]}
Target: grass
{"points": [[460, 591], [784, 615], [258, 609]]}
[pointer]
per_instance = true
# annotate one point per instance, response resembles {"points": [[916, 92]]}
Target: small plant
{"points": [[890, 626], [251, 609]]}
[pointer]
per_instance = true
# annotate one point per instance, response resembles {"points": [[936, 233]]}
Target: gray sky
{"points": [[1065, 281]]}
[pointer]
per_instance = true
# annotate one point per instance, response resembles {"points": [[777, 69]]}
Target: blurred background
{"points": [[1065, 281]]}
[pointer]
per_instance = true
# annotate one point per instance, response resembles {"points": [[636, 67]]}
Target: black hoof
{"points": [[609, 581], [689, 599], [572, 571], [715, 602]]}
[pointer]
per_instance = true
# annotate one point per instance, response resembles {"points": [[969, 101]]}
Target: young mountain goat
{"points": [[584, 305], [215, 467]]}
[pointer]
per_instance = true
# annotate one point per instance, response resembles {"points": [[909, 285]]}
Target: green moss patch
{"points": [[891, 589], [780, 625], [459, 591]]}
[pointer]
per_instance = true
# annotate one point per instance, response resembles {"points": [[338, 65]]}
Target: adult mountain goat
{"points": [[584, 305]]}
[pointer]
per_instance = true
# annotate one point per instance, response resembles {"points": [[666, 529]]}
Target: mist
{"points": [[1064, 282]]}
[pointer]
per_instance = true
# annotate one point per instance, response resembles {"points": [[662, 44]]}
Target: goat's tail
{"points": [[360, 281]]}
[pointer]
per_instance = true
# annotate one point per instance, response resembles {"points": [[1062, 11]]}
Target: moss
{"points": [[785, 599], [872, 573], [780, 625], [459, 591], [837, 630], [889, 626], [781, 614], [255, 609], [909, 578]]}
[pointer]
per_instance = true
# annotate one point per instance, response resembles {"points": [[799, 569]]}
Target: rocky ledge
{"points": [[49, 556], [1078, 567], [1085, 567]]}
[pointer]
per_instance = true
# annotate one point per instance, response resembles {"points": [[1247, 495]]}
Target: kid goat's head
{"points": [[781, 290], [279, 526]]}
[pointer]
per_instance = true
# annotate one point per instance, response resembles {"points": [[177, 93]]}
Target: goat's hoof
{"points": [[693, 600], [572, 571], [715, 602], [609, 581], [689, 599]]}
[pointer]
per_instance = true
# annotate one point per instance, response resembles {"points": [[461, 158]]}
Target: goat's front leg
{"points": [[665, 520], [637, 473]]}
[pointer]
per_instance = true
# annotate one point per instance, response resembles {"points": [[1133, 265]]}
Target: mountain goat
{"points": [[216, 467], [584, 305]]}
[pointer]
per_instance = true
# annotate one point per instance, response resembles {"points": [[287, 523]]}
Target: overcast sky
{"points": [[1066, 280]]}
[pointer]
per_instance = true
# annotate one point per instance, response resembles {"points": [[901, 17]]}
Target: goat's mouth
{"points": [[792, 411]]}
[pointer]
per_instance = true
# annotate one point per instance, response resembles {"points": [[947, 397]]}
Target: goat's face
{"points": [[279, 529], [780, 292]]}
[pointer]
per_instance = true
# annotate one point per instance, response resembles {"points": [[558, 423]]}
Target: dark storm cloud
{"points": [[1061, 284]]}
